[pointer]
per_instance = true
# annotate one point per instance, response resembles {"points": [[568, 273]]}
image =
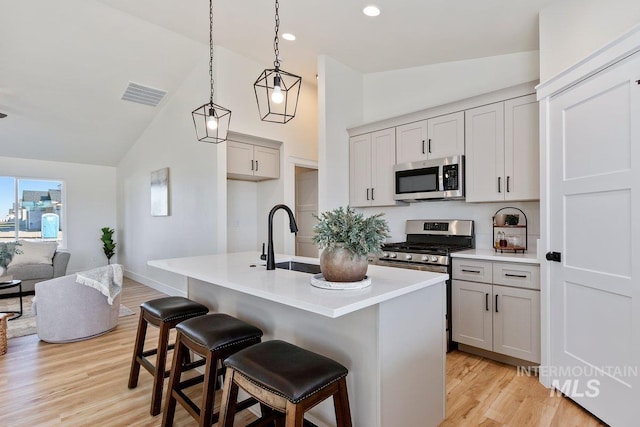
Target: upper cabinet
{"points": [[433, 138], [502, 151], [371, 160], [252, 162]]}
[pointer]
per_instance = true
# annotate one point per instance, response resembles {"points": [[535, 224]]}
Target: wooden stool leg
{"points": [[341, 404], [158, 376], [229, 399], [174, 378], [138, 348], [295, 415], [208, 391]]}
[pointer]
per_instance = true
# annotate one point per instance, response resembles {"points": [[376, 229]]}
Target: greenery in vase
{"points": [[7, 251], [108, 245], [359, 234]]}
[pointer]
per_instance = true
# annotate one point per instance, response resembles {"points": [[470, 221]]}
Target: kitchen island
{"points": [[390, 335]]}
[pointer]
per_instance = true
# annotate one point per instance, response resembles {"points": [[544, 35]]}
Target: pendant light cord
{"points": [[211, 48], [276, 50]]}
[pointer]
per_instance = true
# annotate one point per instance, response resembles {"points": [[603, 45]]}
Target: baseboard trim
{"points": [[154, 284], [508, 360]]}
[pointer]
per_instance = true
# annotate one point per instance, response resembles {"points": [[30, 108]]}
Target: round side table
{"points": [[13, 284]]}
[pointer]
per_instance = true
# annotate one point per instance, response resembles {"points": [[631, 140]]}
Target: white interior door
{"points": [[594, 171], [306, 206]]}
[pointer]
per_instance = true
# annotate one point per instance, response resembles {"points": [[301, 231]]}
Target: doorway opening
{"points": [[306, 205]]}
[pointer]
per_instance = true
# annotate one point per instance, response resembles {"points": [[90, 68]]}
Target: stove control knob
{"points": [[425, 257], [434, 259], [385, 255], [408, 256], [392, 255]]}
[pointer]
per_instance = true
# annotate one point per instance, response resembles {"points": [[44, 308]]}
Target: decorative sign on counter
{"points": [[319, 281]]}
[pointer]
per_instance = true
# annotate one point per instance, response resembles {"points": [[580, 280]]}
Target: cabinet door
{"points": [[411, 142], [267, 162], [239, 158], [360, 170], [472, 313], [516, 323], [484, 147], [445, 135], [383, 157], [522, 149]]}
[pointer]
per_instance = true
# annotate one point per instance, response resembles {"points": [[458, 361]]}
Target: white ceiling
{"points": [[64, 64]]}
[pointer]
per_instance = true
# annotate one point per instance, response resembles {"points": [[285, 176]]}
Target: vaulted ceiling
{"points": [[64, 64]]}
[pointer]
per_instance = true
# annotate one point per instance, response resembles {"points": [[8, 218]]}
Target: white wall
{"points": [[340, 106], [572, 29], [397, 92], [242, 221], [198, 223], [89, 204]]}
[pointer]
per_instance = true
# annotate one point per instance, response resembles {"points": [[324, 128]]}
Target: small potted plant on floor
{"points": [[347, 238], [108, 245]]}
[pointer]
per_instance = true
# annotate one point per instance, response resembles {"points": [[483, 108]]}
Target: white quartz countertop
{"points": [[244, 272], [491, 255]]}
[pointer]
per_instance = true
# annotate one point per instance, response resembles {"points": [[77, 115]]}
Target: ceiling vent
{"points": [[143, 94]]}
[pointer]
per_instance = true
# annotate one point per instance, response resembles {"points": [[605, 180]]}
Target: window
{"points": [[30, 209]]}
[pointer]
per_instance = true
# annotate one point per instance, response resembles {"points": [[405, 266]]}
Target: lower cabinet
{"points": [[495, 317]]}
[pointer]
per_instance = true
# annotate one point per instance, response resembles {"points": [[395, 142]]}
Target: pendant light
{"points": [[277, 91], [211, 120]]}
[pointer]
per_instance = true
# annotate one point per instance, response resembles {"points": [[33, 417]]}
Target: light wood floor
{"points": [[85, 383]]}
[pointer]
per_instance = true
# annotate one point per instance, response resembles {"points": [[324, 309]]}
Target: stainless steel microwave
{"points": [[430, 179]]}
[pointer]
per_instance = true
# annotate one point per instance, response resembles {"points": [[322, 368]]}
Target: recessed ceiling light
{"points": [[371, 10], [288, 36]]}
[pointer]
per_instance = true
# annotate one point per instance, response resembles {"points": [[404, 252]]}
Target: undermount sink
{"points": [[299, 266]]}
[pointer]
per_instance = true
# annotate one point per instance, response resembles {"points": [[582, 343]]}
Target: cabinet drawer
{"points": [[518, 275], [472, 270]]}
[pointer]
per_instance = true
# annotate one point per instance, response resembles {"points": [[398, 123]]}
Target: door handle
{"points": [[367, 194], [554, 256], [256, 165], [251, 164], [486, 301], [372, 196], [508, 184], [496, 303], [499, 182], [429, 146], [423, 147]]}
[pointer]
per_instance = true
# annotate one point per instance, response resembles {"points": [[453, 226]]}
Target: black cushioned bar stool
{"points": [[287, 378], [165, 314], [213, 337]]}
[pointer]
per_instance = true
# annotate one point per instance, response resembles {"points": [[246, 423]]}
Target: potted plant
{"points": [[108, 245], [347, 238], [7, 251]]}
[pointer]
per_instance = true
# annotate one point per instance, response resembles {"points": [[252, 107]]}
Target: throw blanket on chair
{"points": [[107, 280]]}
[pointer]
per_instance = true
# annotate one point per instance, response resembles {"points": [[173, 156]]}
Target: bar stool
{"points": [[165, 314], [286, 378], [212, 337]]}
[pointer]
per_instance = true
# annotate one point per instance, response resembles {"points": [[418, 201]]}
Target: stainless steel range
{"points": [[428, 247]]}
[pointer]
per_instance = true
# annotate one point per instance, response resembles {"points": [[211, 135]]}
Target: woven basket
{"points": [[3, 333]]}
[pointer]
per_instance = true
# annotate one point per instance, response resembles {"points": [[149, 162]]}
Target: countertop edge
{"points": [[491, 255]]}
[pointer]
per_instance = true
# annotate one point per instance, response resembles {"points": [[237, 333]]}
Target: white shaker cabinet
{"points": [[434, 138], [252, 162], [502, 151], [371, 160], [498, 312]]}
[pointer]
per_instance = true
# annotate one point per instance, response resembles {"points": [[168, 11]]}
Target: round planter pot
{"points": [[342, 265]]}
